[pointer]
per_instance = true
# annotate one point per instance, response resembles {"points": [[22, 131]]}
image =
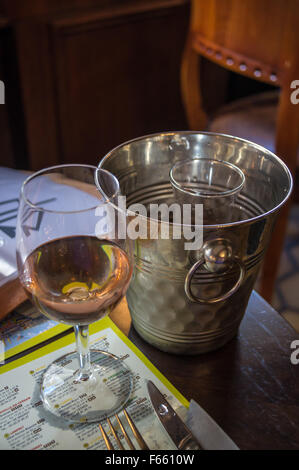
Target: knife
{"points": [[175, 427]]}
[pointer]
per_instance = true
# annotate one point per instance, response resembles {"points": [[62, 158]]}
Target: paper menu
{"points": [[26, 327], [25, 424]]}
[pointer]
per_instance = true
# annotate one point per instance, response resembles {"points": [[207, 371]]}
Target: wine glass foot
{"points": [[103, 394]]}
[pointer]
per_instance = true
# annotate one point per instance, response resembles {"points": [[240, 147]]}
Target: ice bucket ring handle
{"points": [[216, 256]]}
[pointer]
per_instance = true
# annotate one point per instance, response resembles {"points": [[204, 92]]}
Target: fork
{"points": [[139, 438]]}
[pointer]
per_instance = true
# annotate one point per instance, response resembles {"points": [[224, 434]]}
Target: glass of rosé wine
{"points": [[76, 268]]}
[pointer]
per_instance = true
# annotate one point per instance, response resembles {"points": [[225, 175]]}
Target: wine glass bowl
{"points": [[75, 269], [74, 280]]}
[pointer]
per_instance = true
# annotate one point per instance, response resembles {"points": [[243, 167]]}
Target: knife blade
{"points": [[179, 433]]}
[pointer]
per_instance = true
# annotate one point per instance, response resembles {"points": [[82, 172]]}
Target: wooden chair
{"points": [[258, 39]]}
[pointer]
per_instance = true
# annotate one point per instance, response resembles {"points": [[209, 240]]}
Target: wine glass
{"points": [[75, 269], [213, 183]]}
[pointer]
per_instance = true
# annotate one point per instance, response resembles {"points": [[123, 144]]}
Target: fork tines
{"points": [[136, 433]]}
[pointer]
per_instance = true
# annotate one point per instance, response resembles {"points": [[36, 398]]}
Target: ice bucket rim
{"points": [[216, 134]]}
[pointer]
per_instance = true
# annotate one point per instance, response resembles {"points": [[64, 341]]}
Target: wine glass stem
{"points": [[82, 336]]}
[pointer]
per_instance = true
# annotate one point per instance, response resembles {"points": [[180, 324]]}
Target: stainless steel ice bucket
{"points": [[181, 301]]}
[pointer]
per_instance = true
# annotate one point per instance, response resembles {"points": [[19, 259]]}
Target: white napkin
{"points": [[206, 430]]}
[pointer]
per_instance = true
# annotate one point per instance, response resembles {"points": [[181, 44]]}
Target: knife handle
{"points": [[189, 443]]}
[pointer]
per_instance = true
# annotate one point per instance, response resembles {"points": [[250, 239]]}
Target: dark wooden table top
{"points": [[249, 386]]}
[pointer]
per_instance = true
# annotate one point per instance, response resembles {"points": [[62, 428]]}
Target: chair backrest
{"points": [[257, 38]]}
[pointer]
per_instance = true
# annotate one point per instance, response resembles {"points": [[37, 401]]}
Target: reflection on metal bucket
{"points": [[187, 302]]}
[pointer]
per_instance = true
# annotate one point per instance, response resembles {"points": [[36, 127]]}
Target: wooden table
{"points": [[250, 387]]}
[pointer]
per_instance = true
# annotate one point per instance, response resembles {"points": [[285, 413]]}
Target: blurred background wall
{"points": [[82, 76]]}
